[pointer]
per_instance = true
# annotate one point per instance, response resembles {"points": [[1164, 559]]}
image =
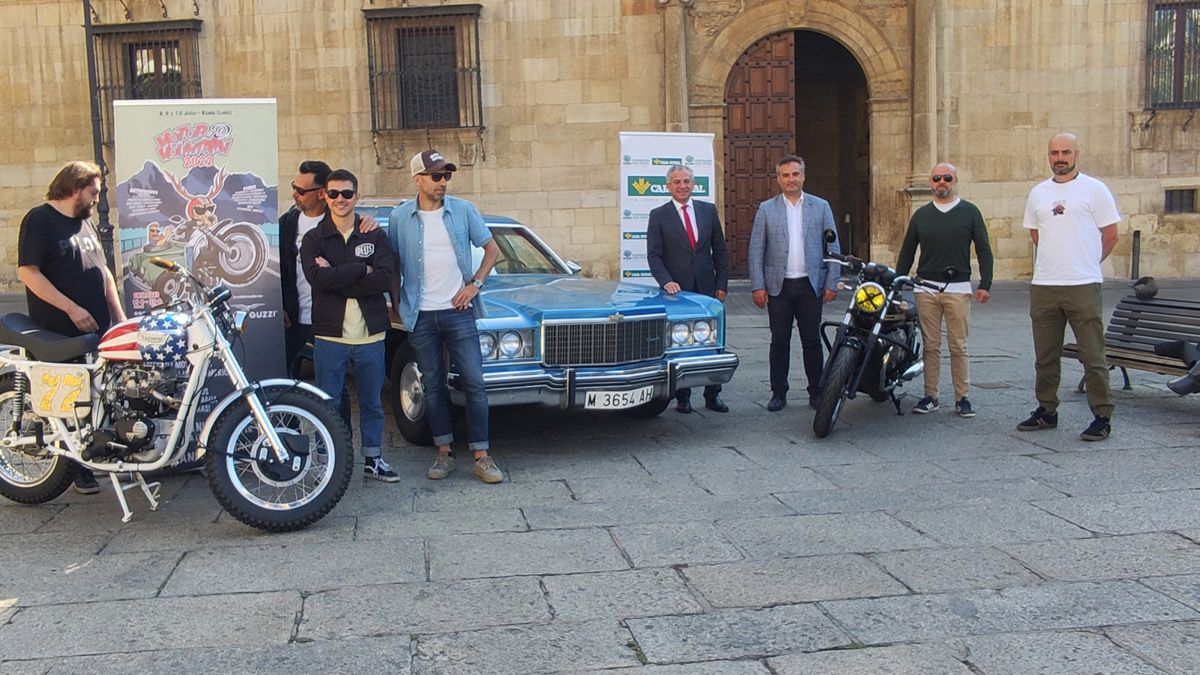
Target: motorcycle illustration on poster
{"points": [[196, 185]]}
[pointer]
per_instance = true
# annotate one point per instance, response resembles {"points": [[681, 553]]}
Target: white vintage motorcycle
{"points": [[277, 455]]}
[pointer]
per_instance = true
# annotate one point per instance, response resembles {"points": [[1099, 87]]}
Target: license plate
{"points": [[618, 400]]}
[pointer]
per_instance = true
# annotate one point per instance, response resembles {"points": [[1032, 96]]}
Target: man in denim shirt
{"points": [[436, 296]]}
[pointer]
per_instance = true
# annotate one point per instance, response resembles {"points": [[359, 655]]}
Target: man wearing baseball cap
{"points": [[436, 296]]}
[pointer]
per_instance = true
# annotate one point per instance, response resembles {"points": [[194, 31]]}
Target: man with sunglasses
{"points": [[436, 294], [945, 229], [350, 272]]}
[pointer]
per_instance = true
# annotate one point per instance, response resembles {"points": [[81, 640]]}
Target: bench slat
{"points": [[1136, 326]]}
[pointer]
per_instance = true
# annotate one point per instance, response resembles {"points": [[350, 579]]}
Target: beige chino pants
{"points": [[954, 309]]}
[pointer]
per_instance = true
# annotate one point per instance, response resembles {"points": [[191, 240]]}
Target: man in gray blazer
{"points": [[685, 249], [789, 278]]}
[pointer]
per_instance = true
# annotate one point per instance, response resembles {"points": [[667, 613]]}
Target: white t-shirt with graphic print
{"points": [[1068, 217]]}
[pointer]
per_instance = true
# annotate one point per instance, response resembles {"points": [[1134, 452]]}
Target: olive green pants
{"points": [[1051, 309]]}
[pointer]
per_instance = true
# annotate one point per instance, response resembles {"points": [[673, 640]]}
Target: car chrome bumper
{"points": [[567, 387]]}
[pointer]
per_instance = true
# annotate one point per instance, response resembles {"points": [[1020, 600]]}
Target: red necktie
{"points": [[687, 225]]}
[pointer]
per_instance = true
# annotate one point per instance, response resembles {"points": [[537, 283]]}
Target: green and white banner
{"points": [[645, 159]]}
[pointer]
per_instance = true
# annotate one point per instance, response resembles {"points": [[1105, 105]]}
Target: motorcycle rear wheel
{"points": [[29, 475], [270, 496], [837, 376]]}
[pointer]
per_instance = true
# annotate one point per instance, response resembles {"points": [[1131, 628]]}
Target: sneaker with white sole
{"points": [[487, 471], [442, 466], [963, 408], [1098, 430], [378, 469], [926, 405]]}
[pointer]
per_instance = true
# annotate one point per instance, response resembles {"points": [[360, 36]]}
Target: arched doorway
{"points": [[797, 92]]}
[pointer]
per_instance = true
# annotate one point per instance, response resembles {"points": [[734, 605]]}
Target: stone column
{"points": [[675, 77], [925, 150]]}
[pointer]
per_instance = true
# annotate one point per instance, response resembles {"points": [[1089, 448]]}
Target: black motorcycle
{"points": [[877, 346]]}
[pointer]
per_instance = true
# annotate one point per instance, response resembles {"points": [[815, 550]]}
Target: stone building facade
{"points": [[871, 92]]}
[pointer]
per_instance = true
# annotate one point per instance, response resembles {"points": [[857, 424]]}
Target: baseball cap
{"points": [[428, 161]]}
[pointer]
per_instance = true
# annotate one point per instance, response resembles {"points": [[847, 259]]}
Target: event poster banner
{"points": [[645, 158], [197, 184]]}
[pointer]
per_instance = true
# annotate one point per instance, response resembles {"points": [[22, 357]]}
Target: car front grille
{"points": [[604, 342]]}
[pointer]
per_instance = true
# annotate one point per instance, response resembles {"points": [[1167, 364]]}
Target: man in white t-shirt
{"points": [[1072, 219]]}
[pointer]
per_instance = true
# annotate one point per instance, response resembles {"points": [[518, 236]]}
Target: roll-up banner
{"points": [[645, 159], [196, 183]]}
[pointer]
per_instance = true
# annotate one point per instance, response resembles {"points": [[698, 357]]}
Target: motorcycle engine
{"points": [[142, 401]]}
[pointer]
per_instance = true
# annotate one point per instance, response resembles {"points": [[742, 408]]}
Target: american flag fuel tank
{"points": [[159, 338]]}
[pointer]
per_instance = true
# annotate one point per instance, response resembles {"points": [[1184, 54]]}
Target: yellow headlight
{"points": [[869, 298]]}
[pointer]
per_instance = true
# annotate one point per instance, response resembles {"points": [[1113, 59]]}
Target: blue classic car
{"points": [[557, 339]]}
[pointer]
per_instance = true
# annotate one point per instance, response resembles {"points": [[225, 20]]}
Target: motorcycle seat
{"points": [[43, 345]]}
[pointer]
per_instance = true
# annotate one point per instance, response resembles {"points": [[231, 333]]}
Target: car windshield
{"points": [[521, 252]]}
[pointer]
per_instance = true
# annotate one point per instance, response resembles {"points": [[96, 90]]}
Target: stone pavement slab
{"points": [[1129, 513], [703, 508], [620, 595], [895, 660], [733, 633], [385, 525], [746, 667], [21, 519], [526, 649], [1116, 481], [85, 578], [136, 537], [924, 496], [1173, 647], [1184, 588], [502, 554], [438, 607], [638, 487], [249, 619], [1061, 653], [1125, 557], [764, 583], [991, 524], [885, 475], [759, 481], [935, 570], [1045, 607], [685, 543], [25, 546], [793, 536]]}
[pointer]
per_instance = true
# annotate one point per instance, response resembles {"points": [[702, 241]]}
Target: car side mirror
{"points": [[574, 267]]}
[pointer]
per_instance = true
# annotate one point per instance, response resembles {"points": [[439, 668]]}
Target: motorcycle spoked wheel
{"points": [[837, 376], [29, 475], [271, 496], [247, 255]]}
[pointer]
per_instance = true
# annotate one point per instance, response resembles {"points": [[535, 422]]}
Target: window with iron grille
{"points": [[423, 66], [1173, 55], [1181, 201], [145, 61]]}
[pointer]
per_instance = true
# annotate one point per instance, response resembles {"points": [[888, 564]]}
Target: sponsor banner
{"points": [[197, 184], [645, 159]]}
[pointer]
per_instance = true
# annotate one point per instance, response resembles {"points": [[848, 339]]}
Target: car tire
{"points": [[408, 398], [652, 409]]}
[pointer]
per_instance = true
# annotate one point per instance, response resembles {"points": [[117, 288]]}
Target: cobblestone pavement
{"points": [[730, 544]]}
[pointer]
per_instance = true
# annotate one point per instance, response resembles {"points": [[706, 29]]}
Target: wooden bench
{"points": [[1137, 325]]}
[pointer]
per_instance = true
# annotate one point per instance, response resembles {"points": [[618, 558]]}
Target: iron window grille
{"points": [[158, 60], [423, 67], [1173, 55], [1181, 201]]}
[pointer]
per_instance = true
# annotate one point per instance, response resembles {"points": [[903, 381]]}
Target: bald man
{"points": [[945, 230], [1072, 219]]}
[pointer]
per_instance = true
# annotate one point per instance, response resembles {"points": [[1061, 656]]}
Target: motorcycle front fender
{"points": [[234, 396]]}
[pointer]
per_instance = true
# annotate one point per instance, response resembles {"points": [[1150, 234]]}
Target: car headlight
{"points": [[681, 334], [869, 297], [487, 344], [702, 331], [511, 344]]}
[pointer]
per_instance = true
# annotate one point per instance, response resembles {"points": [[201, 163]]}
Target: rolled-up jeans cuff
{"points": [[370, 452], [446, 439], [481, 446]]}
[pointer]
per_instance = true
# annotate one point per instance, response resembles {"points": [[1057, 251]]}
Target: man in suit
{"points": [[789, 278], [685, 249]]}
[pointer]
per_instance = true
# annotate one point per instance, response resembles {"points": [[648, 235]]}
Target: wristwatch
{"points": [[477, 283]]}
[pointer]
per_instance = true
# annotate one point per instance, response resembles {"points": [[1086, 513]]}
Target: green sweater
{"points": [[945, 241]]}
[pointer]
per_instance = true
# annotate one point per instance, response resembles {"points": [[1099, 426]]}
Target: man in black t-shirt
{"points": [[59, 259]]}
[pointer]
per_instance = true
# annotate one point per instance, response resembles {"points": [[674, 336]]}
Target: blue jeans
{"points": [[331, 359], [293, 342], [436, 334]]}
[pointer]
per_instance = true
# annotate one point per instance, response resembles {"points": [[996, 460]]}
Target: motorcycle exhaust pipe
{"points": [[913, 371]]}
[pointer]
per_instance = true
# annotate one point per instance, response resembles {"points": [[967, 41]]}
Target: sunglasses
{"points": [[201, 210], [303, 191], [437, 177], [942, 178], [334, 194]]}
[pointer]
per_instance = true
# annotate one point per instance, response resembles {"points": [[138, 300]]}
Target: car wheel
{"points": [[408, 398], [652, 409]]}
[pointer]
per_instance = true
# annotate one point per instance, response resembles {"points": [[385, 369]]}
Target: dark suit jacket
{"points": [[288, 253], [671, 257]]}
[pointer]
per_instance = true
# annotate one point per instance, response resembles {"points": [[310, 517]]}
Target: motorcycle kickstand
{"points": [[896, 402], [148, 489]]}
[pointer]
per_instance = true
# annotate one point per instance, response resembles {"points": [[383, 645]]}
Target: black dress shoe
{"points": [[778, 402], [683, 406], [715, 403], [813, 400]]}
